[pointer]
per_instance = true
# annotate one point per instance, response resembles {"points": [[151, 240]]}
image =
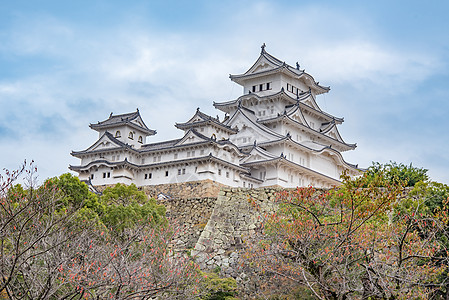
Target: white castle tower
{"points": [[291, 141]]}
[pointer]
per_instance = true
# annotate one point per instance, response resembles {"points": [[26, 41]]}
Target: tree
{"points": [[436, 197], [49, 250], [394, 173], [352, 242], [125, 206]]}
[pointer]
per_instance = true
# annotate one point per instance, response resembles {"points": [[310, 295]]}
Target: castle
{"points": [[275, 134]]}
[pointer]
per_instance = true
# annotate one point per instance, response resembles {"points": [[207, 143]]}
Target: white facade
{"points": [[274, 134]]}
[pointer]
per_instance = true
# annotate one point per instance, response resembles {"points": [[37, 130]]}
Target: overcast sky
{"points": [[65, 64]]}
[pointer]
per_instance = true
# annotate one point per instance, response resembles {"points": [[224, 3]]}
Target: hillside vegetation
{"points": [[364, 240]]}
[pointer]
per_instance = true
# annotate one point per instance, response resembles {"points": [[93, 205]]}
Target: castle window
{"points": [[254, 88], [109, 174], [183, 171], [175, 156], [104, 175], [227, 174], [288, 86], [244, 184], [219, 172], [150, 175], [268, 85], [179, 171], [131, 136], [166, 173], [117, 134], [188, 153], [146, 176], [140, 139], [113, 157], [91, 176], [193, 153]]}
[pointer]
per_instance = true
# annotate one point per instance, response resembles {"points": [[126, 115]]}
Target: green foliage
{"points": [[17, 192], [119, 207], [126, 206], [434, 194], [120, 216], [217, 288], [393, 173], [73, 190], [123, 194]]}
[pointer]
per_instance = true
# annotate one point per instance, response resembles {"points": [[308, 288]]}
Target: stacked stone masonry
{"points": [[185, 190], [189, 204], [237, 215], [192, 216]]}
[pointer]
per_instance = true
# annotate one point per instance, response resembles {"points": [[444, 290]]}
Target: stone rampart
{"points": [[192, 216], [233, 219], [185, 190]]}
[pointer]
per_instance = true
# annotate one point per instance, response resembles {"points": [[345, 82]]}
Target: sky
{"points": [[66, 64]]}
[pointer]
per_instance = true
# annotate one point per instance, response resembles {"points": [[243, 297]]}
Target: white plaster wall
{"points": [[273, 79]]}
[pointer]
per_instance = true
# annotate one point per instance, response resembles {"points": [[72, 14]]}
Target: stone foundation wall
{"points": [[185, 190], [191, 215], [233, 219]]}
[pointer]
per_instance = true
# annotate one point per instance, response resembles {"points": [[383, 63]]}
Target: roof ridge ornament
{"points": [[263, 48], [297, 66]]}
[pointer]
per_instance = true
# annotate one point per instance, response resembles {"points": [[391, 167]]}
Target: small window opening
{"points": [[117, 134]]}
